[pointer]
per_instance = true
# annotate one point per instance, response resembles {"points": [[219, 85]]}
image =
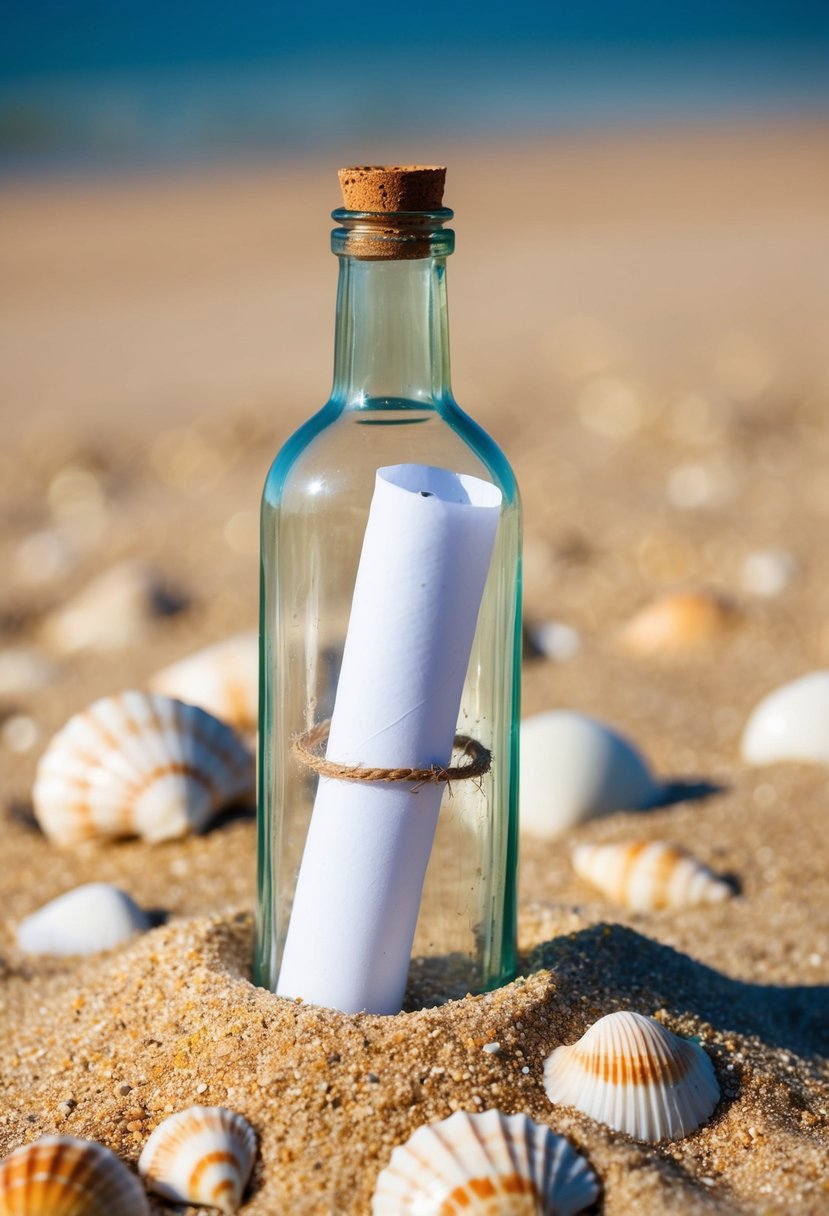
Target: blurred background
{"points": [[638, 301]]}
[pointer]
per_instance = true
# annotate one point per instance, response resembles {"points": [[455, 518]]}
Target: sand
{"points": [[641, 323]]}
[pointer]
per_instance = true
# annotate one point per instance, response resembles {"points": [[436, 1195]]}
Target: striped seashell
{"points": [[61, 1176], [648, 875], [631, 1073], [202, 1155], [96, 916], [223, 679], [790, 724], [487, 1164], [679, 621], [138, 764]]}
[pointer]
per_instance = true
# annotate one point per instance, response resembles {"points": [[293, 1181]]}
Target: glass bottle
{"points": [[391, 403]]}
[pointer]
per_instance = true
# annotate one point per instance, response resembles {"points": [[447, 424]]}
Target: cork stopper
{"points": [[389, 188]]}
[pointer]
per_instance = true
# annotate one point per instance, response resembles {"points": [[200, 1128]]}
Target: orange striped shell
{"points": [[61, 1176], [633, 1074], [223, 679], [202, 1155], [139, 764], [487, 1164], [647, 876]]}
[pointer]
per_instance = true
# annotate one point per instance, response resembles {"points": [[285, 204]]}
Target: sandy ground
{"points": [[641, 322]]}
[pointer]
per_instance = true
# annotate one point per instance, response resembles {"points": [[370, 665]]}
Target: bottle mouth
{"points": [[392, 235]]}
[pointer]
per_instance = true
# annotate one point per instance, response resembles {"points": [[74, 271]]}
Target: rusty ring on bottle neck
{"points": [[392, 235]]}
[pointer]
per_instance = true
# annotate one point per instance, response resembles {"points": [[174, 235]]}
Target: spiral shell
{"points": [[574, 768], [86, 919], [61, 1176], [648, 875], [487, 1164], [138, 764], [631, 1073], [223, 679], [202, 1155]]}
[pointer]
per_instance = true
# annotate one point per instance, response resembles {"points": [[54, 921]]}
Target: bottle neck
{"points": [[392, 336]]}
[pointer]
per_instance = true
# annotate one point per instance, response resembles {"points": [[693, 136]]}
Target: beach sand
{"points": [[641, 322]]}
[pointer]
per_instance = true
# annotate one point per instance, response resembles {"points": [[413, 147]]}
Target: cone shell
{"points": [[138, 764], [487, 1164], [223, 679], [646, 876], [679, 621], [791, 723], [86, 919], [631, 1073], [61, 1176], [573, 768], [202, 1155]]}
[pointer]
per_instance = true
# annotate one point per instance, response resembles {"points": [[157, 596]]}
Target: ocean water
{"points": [[95, 86]]}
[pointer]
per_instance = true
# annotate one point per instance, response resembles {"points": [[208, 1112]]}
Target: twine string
{"points": [[308, 750]]}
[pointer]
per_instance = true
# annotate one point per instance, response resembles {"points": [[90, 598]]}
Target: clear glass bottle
{"points": [[391, 403]]}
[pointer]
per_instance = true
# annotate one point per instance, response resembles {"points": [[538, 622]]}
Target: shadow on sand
{"points": [[615, 967]]}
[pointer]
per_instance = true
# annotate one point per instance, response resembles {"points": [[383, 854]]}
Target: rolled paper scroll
{"points": [[423, 566]]}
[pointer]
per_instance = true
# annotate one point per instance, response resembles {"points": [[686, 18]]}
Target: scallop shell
{"points": [[679, 621], [487, 1164], [648, 875], [202, 1155], [575, 768], [791, 723], [138, 764], [61, 1176], [631, 1073], [223, 679], [87, 919]]}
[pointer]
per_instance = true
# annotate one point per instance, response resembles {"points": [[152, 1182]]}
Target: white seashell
{"points": [[202, 1155], [679, 621], [487, 1164], [768, 572], [791, 723], [112, 612], [223, 679], [138, 764], [23, 670], [554, 640], [61, 1176], [648, 875], [575, 768], [631, 1073], [85, 920]]}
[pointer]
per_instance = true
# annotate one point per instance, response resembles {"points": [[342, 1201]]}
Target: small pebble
{"points": [[201, 1087], [768, 572], [20, 733], [492, 1048]]}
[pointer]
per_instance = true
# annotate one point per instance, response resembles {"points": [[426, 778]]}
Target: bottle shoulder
{"points": [[339, 449]]}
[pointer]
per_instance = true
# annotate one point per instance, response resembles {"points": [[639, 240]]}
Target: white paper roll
{"points": [[424, 562]]}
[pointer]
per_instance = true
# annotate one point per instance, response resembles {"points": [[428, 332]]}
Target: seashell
{"points": [[768, 572], [648, 875], [202, 1155], [112, 612], [575, 768], [551, 640], [487, 1164], [791, 723], [631, 1073], [87, 919], [62, 1176], [223, 679], [138, 764], [679, 621]]}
